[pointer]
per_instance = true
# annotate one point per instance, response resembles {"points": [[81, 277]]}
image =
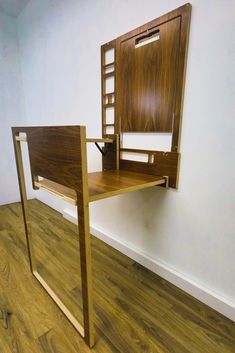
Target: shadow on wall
{"points": [[140, 208]]}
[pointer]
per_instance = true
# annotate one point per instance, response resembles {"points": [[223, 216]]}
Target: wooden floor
{"points": [[135, 310]]}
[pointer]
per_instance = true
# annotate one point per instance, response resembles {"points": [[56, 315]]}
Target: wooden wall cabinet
{"points": [[148, 70]]}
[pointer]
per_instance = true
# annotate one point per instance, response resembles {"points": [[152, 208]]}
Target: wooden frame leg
{"points": [[85, 253], [86, 271], [24, 201]]}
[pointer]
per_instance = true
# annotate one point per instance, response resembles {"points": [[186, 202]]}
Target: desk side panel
{"points": [[55, 154]]}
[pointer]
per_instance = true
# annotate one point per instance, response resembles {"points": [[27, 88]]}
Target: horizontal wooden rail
{"points": [[134, 150], [60, 304], [107, 140], [58, 190]]}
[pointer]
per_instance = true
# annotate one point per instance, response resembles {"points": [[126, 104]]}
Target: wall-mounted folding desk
{"points": [[147, 70], [105, 184]]}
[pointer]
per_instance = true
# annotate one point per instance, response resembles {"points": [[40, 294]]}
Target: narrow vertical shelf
{"points": [[108, 71]]}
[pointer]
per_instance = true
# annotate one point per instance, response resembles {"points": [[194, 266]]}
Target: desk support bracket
{"points": [[100, 149]]}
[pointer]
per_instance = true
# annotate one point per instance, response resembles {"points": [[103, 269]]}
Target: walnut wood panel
{"points": [[164, 164], [55, 153], [150, 78], [147, 79], [116, 182]]}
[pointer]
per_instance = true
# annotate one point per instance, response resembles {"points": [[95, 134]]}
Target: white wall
{"points": [[192, 230], [11, 107]]}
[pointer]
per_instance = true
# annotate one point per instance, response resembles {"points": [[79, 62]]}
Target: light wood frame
{"points": [[87, 332], [58, 154]]}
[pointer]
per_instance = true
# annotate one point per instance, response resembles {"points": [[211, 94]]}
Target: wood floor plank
{"points": [[136, 311], [52, 342]]}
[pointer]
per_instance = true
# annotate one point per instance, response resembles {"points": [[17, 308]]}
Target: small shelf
{"points": [[110, 64], [105, 140], [109, 74], [109, 94], [109, 105], [104, 184]]}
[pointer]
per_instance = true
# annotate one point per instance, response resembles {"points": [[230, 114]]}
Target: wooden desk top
{"points": [[115, 182], [104, 184]]}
